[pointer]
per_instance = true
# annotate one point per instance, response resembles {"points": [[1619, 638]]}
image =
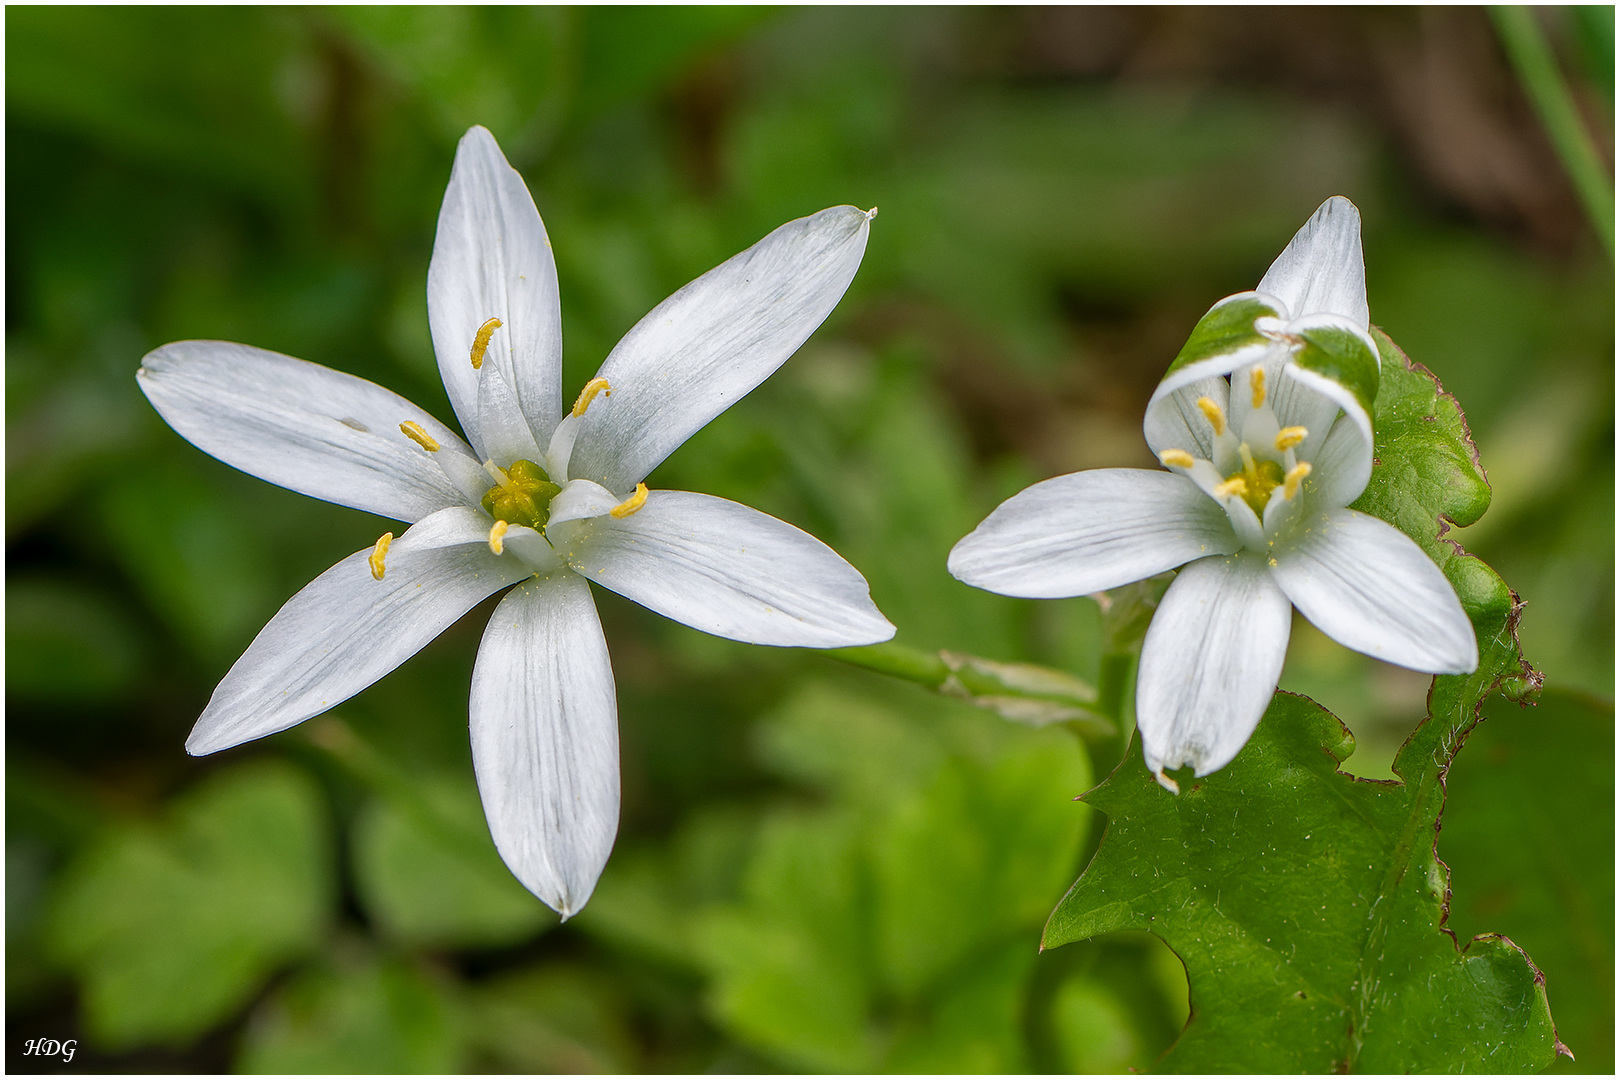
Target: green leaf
{"points": [[893, 926], [1529, 838], [173, 926], [428, 873], [360, 1016], [1309, 906]]}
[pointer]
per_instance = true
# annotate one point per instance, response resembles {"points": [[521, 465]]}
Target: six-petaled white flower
{"points": [[1261, 469], [539, 501]]}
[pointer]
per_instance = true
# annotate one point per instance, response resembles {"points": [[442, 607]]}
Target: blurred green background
{"points": [[816, 870]]}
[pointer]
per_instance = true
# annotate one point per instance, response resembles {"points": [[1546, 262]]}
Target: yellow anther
{"points": [[632, 504], [592, 388], [1212, 412], [1292, 481], [1234, 486], [379, 553], [1179, 458], [481, 342], [495, 535], [1257, 384], [1290, 437], [419, 436]]}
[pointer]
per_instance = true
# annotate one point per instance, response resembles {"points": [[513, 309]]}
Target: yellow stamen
{"points": [[1179, 458], [1295, 475], [1234, 486], [632, 504], [495, 534], [419, 436], [1257, 384], [1212, 412], [592, 388], [1290, 437], [379, 553], [481, 342]]}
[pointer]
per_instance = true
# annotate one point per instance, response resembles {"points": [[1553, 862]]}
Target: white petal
{"points": [[1321, 269], [581, 499], [1245, 522], [492, 259], [345, 630], [1088, 531], [726, 569], [545, 738], [713, 341], [1365, 584], [1340, 469], [1210, 663], [1350, 466], [505, 433], [306, 427], [1174, 421]]}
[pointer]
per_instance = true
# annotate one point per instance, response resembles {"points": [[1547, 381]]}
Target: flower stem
{"points": [[1537, 69], [1027, 693]]}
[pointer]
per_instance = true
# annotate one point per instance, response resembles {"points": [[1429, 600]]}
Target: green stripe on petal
{"points": [[1342, 355], [1228, 327]]}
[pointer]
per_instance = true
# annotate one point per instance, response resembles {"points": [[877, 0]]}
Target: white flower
{"points": [[1260, 472], [540, 501]]}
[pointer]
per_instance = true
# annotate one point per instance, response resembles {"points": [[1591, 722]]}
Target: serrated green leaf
{"points": [[1308, 905], [172, 927], [357, 1017]]}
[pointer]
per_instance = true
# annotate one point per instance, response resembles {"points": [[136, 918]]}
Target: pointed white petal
{"points": [[345, 630], [306, 427], [505, 433], [1088, 531], [713, 341], [581, 499], [1321, 269], [1366, 585], [545, 738], [1210, 663], [492, 259], [726, 569]]}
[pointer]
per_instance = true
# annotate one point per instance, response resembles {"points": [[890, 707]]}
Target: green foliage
{"points": [[1047, 235], [427, 872], [358, 1015], [1310, 906], [1529, 838], [233, 884], [891, 924]]}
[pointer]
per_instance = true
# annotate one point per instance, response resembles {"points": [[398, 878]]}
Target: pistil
{"points": [[522, 495]]}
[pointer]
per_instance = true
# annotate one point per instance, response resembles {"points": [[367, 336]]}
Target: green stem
{"points": [[1537, 68], [1027, 693], [900, 661]]}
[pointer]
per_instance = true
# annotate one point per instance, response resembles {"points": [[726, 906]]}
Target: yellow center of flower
{"points": [[522, 494], [1257, 478]]}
